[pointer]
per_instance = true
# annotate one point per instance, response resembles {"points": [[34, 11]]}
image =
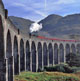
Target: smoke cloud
{"points": [[35, 27]]}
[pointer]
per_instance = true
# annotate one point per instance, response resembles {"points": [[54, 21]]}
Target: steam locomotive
{"points": [[53, 39]]}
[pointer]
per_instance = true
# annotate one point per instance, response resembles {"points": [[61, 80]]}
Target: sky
{"points": [[36, 10]]}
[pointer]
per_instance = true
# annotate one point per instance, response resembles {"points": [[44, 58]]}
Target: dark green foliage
{"points": [[73, 59], [60, 68], [76, 69], [40, 70]]}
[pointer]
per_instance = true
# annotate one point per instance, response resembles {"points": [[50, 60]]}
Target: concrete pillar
{"points": [[64, 55], [53, 55], [58, 56], [36, 61], [70, 50], [48, 57], [13, 59], [42, 58], [25, 59], [30, 61], [30, 57], [19, 54], [12, 68], [6, 65]]}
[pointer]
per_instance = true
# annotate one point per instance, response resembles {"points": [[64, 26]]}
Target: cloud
{"points": [[65, 2], [29, 8], [38, 9], [45, 4]]}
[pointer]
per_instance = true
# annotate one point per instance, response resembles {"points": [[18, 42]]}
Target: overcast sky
{"points": [[38, 9]]}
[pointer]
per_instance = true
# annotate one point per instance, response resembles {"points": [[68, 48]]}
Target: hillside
{"points": [[21, 23], [53, 25], [47, 76]]}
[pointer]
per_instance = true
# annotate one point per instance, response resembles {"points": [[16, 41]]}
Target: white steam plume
{"points": [[35, 27]]}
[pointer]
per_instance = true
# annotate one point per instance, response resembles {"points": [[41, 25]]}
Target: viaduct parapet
{"points": [[22, 52]]}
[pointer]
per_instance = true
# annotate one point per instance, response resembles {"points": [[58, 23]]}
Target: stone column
{"points": [[12, 69], [18, 64], [58, 56], [24, 57], [3, 70], [42, 58], [30, 57], [12, 59], [70, 50], [64, 55], [48, 57], [36, 61], [6, 66], [19, 54], [53, 55], [30, 61]]}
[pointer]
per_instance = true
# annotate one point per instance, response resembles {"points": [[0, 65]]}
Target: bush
{"points": [[40, 70], [73, 59], [60, 68], [76, 69]]}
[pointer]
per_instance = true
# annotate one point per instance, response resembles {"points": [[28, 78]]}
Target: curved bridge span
{"points": [[24, 52]]}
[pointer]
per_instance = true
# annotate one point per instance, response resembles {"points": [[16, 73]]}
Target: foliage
{"points": [[73, 59], [46, 76], [60, 68]]}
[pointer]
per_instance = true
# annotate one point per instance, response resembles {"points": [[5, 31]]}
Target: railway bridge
{"points": [[25, 52]]}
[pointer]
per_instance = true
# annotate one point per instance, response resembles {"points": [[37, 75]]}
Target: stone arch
{"points": [[9, 57], [45, 54], [33, 50], [27, 56], [16, 56], [78, 48], [55, 53], [73, 48], [67, 49], [61, 48], [22, 59], [50, 50], [39, 55]]}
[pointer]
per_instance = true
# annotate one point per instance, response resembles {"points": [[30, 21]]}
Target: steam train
{"points": [[53, 39]]}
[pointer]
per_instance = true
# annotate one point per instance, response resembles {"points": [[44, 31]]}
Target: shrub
{"points": [[76, 69], [60, 68], [73, 59]]}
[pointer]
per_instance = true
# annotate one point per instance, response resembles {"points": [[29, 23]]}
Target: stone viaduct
{"points": [[23, 52]]}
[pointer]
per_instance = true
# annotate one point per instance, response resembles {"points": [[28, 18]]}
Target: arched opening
{"points": [[67, 50], [27, 56], [39, 56], [55, 54], [9, 57], [22, 60], [78, 48], [61, 53], [33, 50], [73, 49], [50, 49], [45, 55], [16, 57]]}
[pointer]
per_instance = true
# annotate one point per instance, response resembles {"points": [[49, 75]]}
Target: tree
{"points": [[73, 59]]}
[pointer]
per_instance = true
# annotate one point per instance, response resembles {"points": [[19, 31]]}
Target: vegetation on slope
{"points": [[47, 76]]}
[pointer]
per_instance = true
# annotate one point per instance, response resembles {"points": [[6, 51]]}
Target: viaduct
{"points": [[23, 52]]}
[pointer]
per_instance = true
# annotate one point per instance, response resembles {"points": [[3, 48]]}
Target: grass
{"points": [[47, 76]]}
